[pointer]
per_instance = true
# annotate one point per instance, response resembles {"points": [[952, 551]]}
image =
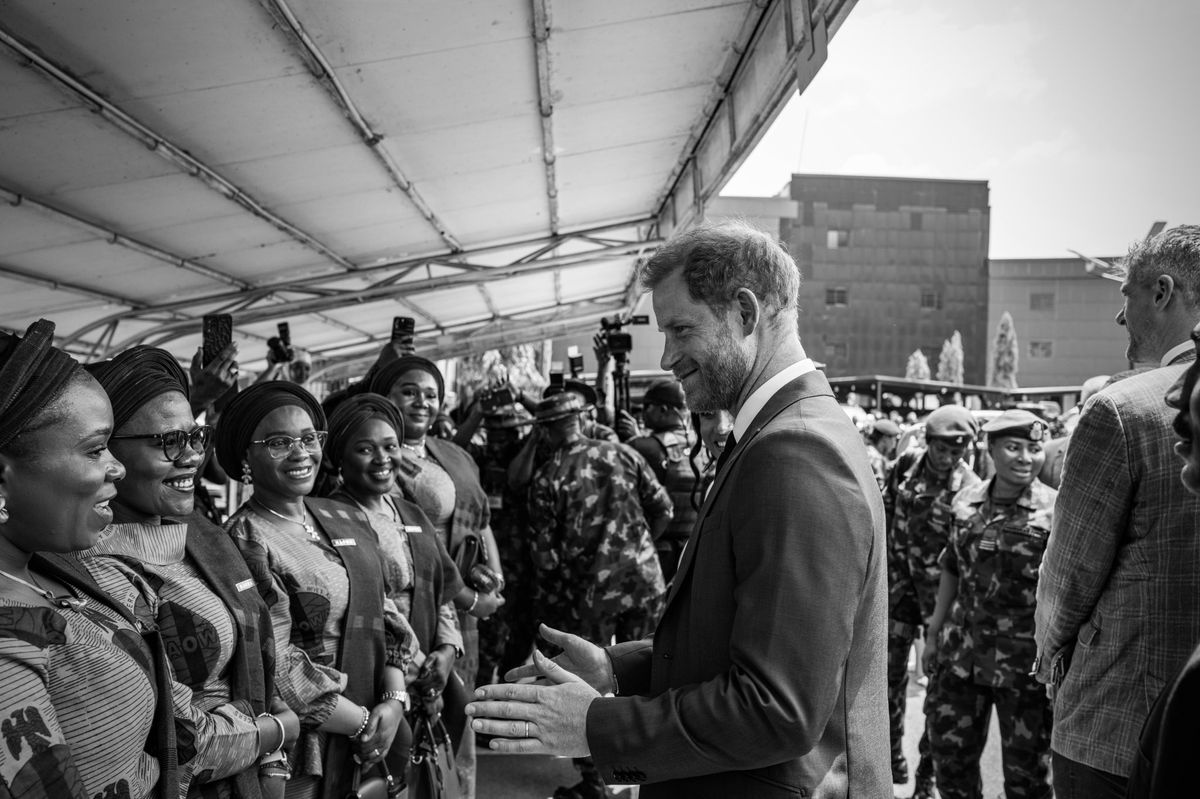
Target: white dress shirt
{"points": [[762, 395], [1176, 351]]}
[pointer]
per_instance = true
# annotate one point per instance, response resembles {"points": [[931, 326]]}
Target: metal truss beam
{"points": [[541, 42], [323, 71], [58, 285], [31, 56]]}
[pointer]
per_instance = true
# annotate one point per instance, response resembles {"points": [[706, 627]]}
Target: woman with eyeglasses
{"points": [[342, 647], [216, 627], [444, 481], [84, 694]]}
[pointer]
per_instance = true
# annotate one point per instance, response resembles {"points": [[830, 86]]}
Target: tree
{"points": [[1004, 354], [950, 363], [518, 364], [918, 367]]}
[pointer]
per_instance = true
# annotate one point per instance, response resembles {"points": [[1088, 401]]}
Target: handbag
{"points": [[431, 771], [380, 786], [471, 561]]}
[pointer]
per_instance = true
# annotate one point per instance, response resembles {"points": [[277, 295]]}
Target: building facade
{"points": [[1065, 319], [890, 266]]}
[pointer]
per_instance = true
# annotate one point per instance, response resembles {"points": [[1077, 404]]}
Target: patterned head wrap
{"points": [[137, 376], [33, 374], [235, 428], [350, 415], [384, 377]]}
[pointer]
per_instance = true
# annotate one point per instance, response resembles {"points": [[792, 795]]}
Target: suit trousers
{"points": [[1074, 780]]}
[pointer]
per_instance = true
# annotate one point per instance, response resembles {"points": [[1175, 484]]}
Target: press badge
{"points": [[244, 585], [344, 542]]}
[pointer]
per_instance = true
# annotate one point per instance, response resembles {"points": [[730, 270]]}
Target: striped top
{"points": [[77, 703], [199, 635]]}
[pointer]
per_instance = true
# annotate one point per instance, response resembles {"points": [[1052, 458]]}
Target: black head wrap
{"points": [[137, 376], [235, 429], [382, 378], [33, 374], [351, 413]]}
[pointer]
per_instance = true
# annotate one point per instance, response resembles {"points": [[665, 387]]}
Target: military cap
{"points": [[665, 392], [507, 417], [953, 424], [559, 406], [885, 427], [577, 387], [1016, 423]]}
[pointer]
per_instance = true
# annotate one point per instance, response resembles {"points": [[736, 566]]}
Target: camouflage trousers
{"points": [[958, 712], [900, 642]]}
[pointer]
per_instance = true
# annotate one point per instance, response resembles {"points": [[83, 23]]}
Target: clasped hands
{"points": [[549, 715]]}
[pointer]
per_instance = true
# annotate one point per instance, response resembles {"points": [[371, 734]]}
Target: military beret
{"points": [[665, 392], [577, 387], [1016, 423], [885, 427], [953, 424]]}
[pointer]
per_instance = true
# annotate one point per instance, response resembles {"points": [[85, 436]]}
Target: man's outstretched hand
{"points": [[579, 657], [547, 718]]}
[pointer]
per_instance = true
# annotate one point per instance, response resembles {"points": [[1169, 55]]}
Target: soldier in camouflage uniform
{"points": [[595, 509], [981, 634], [880, 448], [920, 480]]}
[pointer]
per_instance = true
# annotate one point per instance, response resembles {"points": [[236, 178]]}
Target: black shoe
{"points": [[924, 788], [899, 770]]}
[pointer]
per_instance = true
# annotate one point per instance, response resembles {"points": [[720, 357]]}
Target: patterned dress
{"points": [[77, 703], [598, 572], [307, 590], [217, 737]]}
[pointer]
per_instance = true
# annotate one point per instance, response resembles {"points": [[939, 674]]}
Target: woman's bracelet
{"points": [[363, 726], [275, 765], [282, 733], [474, 601]]}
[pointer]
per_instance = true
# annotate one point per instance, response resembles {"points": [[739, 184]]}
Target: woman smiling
{"points": [[217, 632], [83, 689], [316, 563]]}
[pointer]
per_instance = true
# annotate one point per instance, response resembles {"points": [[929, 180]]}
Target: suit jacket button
{"points": [[667, 655]]}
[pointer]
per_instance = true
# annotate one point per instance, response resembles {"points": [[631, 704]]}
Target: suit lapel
{"points": [[812, 384]]}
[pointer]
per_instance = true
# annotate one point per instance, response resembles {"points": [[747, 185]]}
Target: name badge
{"points": [[244, 585], [413, 528], [344, 542]]}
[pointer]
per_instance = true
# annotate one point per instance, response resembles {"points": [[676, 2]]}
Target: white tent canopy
{"points": [[493, 168]]}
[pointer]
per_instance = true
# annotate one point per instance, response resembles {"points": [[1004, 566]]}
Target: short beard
{"points": [[721, 381]]}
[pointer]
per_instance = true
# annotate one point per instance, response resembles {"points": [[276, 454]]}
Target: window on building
{"points": [[836, 351], [837, 238], [931, 300], [1041, 349], [836, 295], [1041, 301]]}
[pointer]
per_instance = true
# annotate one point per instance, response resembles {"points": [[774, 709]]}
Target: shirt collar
{"points": [[762, 395], [1176, 351]]}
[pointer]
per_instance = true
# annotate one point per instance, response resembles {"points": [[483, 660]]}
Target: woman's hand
{"points": [[383, 726], [435, 672], [486, 605], [929, 659]]}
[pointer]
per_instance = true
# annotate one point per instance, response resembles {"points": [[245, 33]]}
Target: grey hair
{"points": [[1174, 252], [717, 259]]}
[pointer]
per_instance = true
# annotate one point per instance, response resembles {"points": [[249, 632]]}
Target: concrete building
{"points": [[890, 265], [1064, 318]]}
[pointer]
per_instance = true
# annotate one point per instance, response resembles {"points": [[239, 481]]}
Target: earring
{"points": [[247, 478]]}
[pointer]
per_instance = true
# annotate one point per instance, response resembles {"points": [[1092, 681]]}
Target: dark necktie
{"points": [[730, 443]]}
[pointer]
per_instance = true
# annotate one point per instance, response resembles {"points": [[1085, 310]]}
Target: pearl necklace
{"points": [[308, 528], [416, 449], [64, 602]]}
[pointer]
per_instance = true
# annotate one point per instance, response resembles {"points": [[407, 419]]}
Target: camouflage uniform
{"points": [[915, 540], [667, 453], [879, 465], [986, 648], [598, 572]]}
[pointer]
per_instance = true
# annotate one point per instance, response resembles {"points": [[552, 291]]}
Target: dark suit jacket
{"points": [[1165, 763], [766, 677]]}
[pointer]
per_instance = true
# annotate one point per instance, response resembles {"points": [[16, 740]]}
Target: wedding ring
{"points": [[527, 729], [432, 692], [375, 752]]}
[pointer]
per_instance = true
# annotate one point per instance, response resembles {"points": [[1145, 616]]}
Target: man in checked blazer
{"points": [[1118, 601], [766, 676]]}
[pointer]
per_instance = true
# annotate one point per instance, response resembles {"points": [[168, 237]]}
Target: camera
{"points": [[618, 343], [575, 358], [281, 345], [496, 398]]}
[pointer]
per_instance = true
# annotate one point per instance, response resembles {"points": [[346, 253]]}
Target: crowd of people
{"points": [[720, 598]]}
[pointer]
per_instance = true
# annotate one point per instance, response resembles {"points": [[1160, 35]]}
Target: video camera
{"points": [[618, 343], [493, 398]]}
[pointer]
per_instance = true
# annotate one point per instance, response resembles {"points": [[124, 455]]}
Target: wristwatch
{"points": [[400, 696]]}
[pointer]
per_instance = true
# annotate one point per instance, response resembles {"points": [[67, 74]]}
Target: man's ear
{"points": [[1164, 290], [748, 309]]}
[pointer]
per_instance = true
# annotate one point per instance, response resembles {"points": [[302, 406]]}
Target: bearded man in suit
{"points": [[766, 676]]}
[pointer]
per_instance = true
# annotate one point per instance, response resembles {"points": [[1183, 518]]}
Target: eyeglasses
{"points": [[175, 442], [282, 446]]}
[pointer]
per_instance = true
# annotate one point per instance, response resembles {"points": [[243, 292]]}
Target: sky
{"points": [[1082, 115]]}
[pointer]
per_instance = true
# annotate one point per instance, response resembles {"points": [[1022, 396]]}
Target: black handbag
{"points": [[431, 772], [380, 786], [471, 561]]}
